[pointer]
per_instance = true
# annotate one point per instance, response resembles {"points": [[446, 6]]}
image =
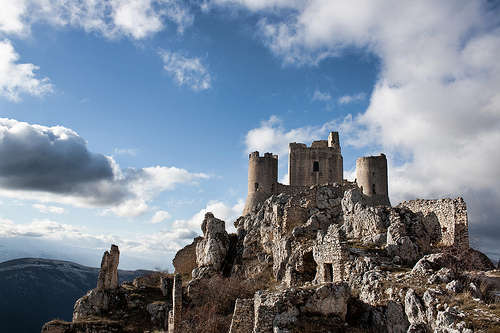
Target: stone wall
{"points": [[243, 316], [445, 219], [323, 155], [330, 254], [185, 259]]}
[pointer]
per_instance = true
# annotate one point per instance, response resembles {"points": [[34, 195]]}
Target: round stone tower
{"points": [[371, 177], [262, 179]]}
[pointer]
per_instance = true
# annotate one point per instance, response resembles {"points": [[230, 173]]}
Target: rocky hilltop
{"points": [[54, 284], [323, 258]]}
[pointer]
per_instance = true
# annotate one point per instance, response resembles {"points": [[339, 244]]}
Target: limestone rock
{"points": [[369, 224], [455, 286], [433, 262], [108, 275], [414, 308], [212, 249], [282, 310], [396, 320]]}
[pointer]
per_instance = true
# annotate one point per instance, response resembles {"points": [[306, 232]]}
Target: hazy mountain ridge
{"points": [[34, 290]]}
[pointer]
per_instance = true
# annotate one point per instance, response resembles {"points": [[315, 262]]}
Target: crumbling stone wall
{"points": [[243, 316], [445, 219], [319, 164], [108, 275], [330, 254], [185, 259]]}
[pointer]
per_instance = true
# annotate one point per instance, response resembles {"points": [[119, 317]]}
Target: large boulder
{"points": [[301, 309], [212, 249]]}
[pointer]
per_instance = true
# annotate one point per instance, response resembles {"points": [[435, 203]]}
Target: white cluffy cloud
{"points": [[435, 107], [19, 78], [346, 99], [186, 71], [220, 210], [125, 151], [53, 164], [160, 216], [159, 247], [49, 209], [321, 96], [160, 244], [137, 19]]}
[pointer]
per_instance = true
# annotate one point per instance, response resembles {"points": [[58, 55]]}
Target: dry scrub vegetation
{"points": [[216, 305]]}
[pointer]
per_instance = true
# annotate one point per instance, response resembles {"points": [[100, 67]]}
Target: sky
{"points": [[124, 121]]}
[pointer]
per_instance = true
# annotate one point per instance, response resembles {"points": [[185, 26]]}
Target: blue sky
{"points": [[154, 105]]}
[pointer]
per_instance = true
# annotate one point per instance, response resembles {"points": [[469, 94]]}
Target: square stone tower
{"points": [[321, 163]]}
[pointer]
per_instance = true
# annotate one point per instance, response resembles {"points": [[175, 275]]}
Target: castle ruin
{"points": [[319, 164]]}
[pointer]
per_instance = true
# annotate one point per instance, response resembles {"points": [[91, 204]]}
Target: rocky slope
{"points": [[33, 291], [315, 259]]}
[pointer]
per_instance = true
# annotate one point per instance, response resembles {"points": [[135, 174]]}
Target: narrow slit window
{"points": [[373, 189], [328, 272], [316, 166], [256, 186]]}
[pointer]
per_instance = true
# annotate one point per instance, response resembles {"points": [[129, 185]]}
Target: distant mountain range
{"points": [[34, 291]]}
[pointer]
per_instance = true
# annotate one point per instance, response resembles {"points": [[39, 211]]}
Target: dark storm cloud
{"points": [[55, 161]]}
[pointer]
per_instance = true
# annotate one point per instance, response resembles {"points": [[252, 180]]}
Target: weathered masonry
{"points": [[447, 218], [262, 179], [319, 164], [371, 177]]}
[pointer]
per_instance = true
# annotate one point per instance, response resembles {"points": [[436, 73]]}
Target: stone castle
{"points": [[322, 254], [322, 163]]}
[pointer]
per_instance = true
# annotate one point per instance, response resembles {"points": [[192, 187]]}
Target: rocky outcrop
{"points": [[323, 259], [211, 251], [130, 307], [108, 275], [323, 308]]}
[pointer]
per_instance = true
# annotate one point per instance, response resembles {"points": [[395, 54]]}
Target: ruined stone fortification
{"points": [[332, 257], [321, 163], [446, 219], [185, 259], [371, 177]]}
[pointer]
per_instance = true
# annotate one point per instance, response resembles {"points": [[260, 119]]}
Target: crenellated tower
{"points": [[371, 177], [262, 179], [321, 163]]}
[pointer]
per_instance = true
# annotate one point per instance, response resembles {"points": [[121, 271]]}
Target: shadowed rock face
{"points": [[108, 275]]}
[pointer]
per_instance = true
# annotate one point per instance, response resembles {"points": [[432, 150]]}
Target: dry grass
{"points": [[215, 311]]}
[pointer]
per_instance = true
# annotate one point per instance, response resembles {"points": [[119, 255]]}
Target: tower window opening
{"points": [[316, 166], [373, 189], [256, 186], [328, 270]]}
